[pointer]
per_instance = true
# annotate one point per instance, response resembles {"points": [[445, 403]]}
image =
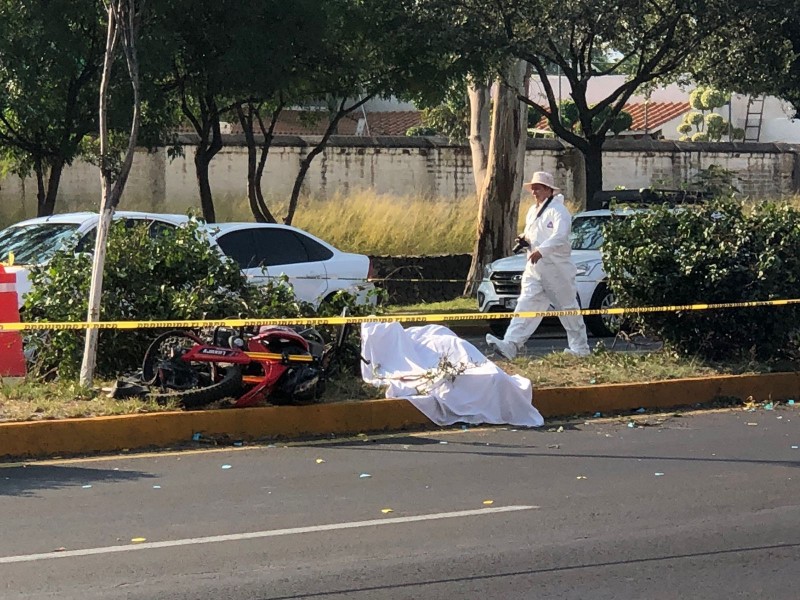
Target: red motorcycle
{"points": [[280, 364]]}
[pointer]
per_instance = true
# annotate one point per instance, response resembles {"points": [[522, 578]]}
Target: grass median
{"points": [[30, 401]]}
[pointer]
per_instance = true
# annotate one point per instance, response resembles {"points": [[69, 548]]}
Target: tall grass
{"points": [[382, 224], [371, 223]]}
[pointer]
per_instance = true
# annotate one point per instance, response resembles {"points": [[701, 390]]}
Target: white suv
{"points": [[315, 269], [500, 287]]}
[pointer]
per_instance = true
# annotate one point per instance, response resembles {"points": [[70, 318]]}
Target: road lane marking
{"points": [[213, 539]]}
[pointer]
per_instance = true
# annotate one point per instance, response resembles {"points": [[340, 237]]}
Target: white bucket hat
{"points": [[544, 178]]}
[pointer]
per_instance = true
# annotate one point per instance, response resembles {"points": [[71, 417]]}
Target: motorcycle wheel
{"points": [[190, 384]]}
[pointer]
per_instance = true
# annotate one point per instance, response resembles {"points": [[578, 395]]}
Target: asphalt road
{"points": [[699, 506]]}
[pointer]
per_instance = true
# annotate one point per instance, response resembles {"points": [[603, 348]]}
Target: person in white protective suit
{"points": [[549, 276]]}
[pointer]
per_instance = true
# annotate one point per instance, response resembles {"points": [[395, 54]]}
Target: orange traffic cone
{"points": [[12, 360]]}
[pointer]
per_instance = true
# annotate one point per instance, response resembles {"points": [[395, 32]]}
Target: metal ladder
{"points": [[752, 122]]}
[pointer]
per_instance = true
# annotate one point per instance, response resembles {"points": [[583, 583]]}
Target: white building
{"points": [[658, 114]]}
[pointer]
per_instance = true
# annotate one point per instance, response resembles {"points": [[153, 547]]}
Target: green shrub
{"points": [[174, 276], [717, 253], [420, 130]]}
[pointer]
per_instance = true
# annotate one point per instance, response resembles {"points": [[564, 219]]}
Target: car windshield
{"points": [[34, 244], [587, 232]]}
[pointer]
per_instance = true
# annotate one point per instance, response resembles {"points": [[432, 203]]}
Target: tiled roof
{"points": [[296, 122], [656, 113]]}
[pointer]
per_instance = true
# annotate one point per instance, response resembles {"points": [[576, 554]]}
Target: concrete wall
{"points": [[402, 166]]}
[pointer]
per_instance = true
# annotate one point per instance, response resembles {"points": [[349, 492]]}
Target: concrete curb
{"points": [[160, 430]]}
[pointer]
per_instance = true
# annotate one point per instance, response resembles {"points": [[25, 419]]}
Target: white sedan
{"points": [[315, 269]]}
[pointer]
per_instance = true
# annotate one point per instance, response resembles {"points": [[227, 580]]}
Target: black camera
{"points": [[519, 244]]}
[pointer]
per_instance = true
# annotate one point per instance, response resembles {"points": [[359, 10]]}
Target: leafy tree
{"points": [[373, 48], [450, 118], [651, 41], [705, 125], [760, 57], [290, 40], [50, 59], [124, 17], [197, 51]]}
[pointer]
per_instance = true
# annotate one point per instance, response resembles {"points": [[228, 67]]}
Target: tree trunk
{"points": [[41, 192], [268, 133], [123, 20], [593, 168], [523, 147], [49, 204], [202, 158], [246, 121], [106, 211], [209, 131], [478, 94], [499, 196], [305, 163]]}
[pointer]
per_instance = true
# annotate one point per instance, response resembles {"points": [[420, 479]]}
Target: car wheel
{"points": [[603, 325]]}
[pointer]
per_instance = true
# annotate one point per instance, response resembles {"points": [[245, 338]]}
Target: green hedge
{"points": [[175, 276], [715, 253]]}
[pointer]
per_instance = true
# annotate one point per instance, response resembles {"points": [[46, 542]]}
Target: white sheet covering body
{"points": [[476, 391]]}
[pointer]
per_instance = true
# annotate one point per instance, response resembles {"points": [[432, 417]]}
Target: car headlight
{"points": [[487, 271], [585, 268]]}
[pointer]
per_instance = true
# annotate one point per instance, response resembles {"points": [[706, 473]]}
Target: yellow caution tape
{"points": [[401, 318]]}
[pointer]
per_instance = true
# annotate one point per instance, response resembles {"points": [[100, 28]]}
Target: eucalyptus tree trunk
{"points": [[478, 93], [123, 20], [498, 203]]}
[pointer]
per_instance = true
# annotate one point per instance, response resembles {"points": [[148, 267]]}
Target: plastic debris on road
{"points": [[138, 540], [752, 424], [442, 442], [581, 477], [319, 461], [156, 487], [597, 415], [364, 476], [658, 474], [226, 466], [641, 410], [631, 424], [86, 487], [488, 502], [560, 429], [790, 402], [386, 511]]}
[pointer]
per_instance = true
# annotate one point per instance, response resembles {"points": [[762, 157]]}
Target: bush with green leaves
{"points": [[174, 276], [715, 253]]}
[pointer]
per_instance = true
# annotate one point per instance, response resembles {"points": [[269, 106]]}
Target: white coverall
{"points": [[551, 280]]}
